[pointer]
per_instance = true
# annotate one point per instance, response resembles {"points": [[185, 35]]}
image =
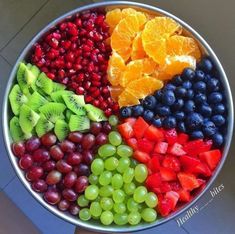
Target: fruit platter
{"points": [[117, 116]]}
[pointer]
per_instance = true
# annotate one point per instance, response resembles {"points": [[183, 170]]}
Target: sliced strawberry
{"points": [[130, 120], [167, 174], [126, 130], [184, 195], [145, 145], [141, 156], [176, 149], [140, 127], [191, 147], [201, 182], [182, 138], [154, 164], [173, 197], [188, 181], [154, 134], [172, 163], [153, 181], [164, 207], [162, 188], [211, 157], [171, 136], [132, 142], [160, 157], [175, 186], [160, 147], [202, 169]]}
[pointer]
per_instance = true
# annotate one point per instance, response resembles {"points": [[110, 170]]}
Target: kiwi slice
{"points": [[43, 126], [27, 119], [79, 123], [15, 130], [61, 129], [57, 87], [17, 98], [75, 103], [68, 114], [94, 113], [29, 65], [44, 83], [36, 101], [35, 70], [21, 78], [53, 111], [57, 96]]}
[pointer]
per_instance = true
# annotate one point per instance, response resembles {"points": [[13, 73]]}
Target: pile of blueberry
{"points": [[192, 102]]}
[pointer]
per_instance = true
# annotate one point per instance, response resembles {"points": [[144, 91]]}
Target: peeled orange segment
{"points": [[133, 72], [113, 17], [127, 99], [116, 67], [137, 51], [180, 45], [115, 92], [142, 19], [144, 86], [128, 11], [161, 75], [149, 66]]}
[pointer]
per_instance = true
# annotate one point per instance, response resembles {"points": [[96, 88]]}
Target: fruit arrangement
{"points": [[117, 116]]}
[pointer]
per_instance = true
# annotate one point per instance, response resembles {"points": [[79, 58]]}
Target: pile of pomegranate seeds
{"points": [[75, 53]]}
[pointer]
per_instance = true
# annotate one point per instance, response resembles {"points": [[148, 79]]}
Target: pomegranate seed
{"points": [[69, 65], [96, 103], [80, 90], [63, 26], [108, 112], [88, 99], [51, 75], [78, 22]]}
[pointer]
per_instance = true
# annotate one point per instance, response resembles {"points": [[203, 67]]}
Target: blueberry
{"points": [[187, 84], [179, 103], [163, 111], [181, 126], [212, 84], [148, 115], [149, 102], [180, 92], [179, 115], [158, 95], [177, 80], [205, 110], [215, 97], [168, 97], [125, 112], [169, 122], [218, 120], [137, 110], [200, 98], [157, 122], [200, 75], [218, 139], [207, 77], [194, 121], [170, 87], [197, 134], [208, 128], [218, 109], [206, 65], [199, 86], [189, 106], [189, 94], [188, 74]]}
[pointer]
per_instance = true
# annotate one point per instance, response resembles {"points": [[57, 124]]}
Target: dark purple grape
{"points": [[107, 128], [34, 173], [69, 194], [101, 139], [70, 179], [95, 128], [88, 141], [74, 209], [41, 155], [63, 205], [56, 152], [49, 165], [74, 158], [75, 137], [25, 162], [39, 186], [32, 144], [48, 139], [52, 197], [82, 169], [81, 184], [63, 166], [87, 157], [67, 146]]}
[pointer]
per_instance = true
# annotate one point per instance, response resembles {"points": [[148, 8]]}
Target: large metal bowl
{"points": [[92, 225]]}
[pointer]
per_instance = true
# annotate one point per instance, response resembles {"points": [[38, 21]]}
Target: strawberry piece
{"points": [[162, 188], [173, 197], [192, 147], [132, 142], [126, 130], [140, 127], [154, 164], [184, 195], [188, 181], [201, 182], [160, 147], [164, 207], [145, 145], [202, 169], [153, 181], [211, 157], [182, 138], [176, 149], [141, 156], [167, 174], [160, 157], [171, 136], [175, 186], [154, 134], [130, 120], [172, 163]]}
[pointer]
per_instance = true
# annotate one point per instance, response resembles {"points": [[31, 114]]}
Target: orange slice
{"points": [[112, 18], [149, 66], [115, 92], [128, 11], [137, 51], [127, 99]]}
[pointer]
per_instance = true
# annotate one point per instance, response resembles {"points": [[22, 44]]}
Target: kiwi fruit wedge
{"points": [[79, 123], [57, 87], [43, 126], [68, 114], [15, 130], [21, 78], [29, 66], [57, 96], [94, 113], [53, 111], [27, 119], [61, 129], [44, 83], [36, 101], [17, 99]]}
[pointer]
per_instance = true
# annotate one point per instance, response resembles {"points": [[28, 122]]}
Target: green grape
{"points": [[124, 151], [140, 194], [115, 138], [97, 199], [141, 206], [132, 205], [120, 219], [129, 188], [97, 166], [134, 163], [105, 178], [111, 163], [141, 173], [106, 150], [91, 192], [106, 191], [117, 181], [128, 175], [84, 214], [134, 218], [151, 200], [106, 203], [149, 215], [82, 201], [95, 209], [106, 217], [113, 120], [93, 179], [118, 196], [123, 164], [119, 208]]}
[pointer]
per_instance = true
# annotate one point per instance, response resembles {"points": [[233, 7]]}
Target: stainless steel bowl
{"points": [[93, 225]]}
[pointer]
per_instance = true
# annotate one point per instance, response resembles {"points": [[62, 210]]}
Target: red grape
{"points": [[63, 166], [74, 209], [67, 146], [32, 144], [69, 194], [41, 155], [75, 137], [82, 169], [101, 139], [18, 149], [48, 139], [56, 152], [39, 186], [95, 128], [70, 179], [52, 197], [81, 184], [88, 141], [107, 128], [74, 158], [87, 157], [63, 205], [53, 177], [49, 165], [34, 173], [26, 162]]}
